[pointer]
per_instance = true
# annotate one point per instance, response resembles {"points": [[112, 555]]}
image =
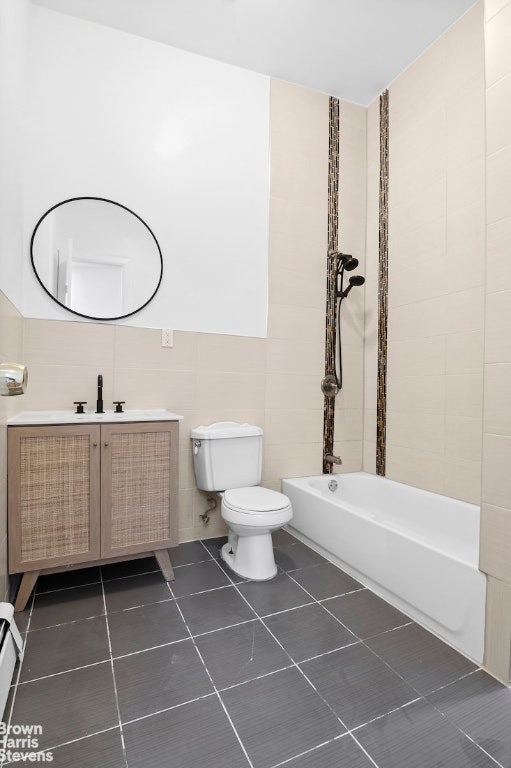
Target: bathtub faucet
{"points": [[332, 459]]}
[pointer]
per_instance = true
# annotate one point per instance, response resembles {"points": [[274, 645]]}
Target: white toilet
{"points": [[227, 458]]}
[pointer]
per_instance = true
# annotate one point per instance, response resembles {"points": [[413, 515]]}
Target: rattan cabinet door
{"points": [[139, 471], [53, 496]]}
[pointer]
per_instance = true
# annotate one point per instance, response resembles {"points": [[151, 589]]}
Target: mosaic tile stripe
{"points": [[381, 404], [331, 298]]}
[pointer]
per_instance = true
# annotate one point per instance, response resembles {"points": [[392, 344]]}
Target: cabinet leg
{"points": [[163, 558], [27, 585]]}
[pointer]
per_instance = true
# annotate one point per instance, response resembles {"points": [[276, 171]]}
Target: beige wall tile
{"points": [[465, 48], [415, 467], [51, 342], [497, 650], [289, 287], [464, 352], [498, 327], [462, 479], [302, 221], [369, 456], [285, 427], [420, 320], [497, 400], [411, 245], [465, 254], [496, 480], [232, 391], [464, 310], [302, 255], [492, 7], [498, 184], [464, 394], [416, 357], [498, 263], [141, 348], [230, 353], [466, 132], [351, 454], [295, 356], [416, 393], [297, 460], [349, 424], [296, 391], [56, 387], [287, 322], [495, 542], [498, 114], [498, 50], [416, 430], [417, 283], [463, 436]]}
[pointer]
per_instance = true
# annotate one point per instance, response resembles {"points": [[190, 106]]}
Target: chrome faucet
{"points": [[329, 459], [99, 401]]}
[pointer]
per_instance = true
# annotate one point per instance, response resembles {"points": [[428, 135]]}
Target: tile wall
{"points": [[11, 329], [495, 558], [436, 267], [349, 403]]}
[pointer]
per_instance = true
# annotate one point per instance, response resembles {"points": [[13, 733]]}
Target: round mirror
{"points": [[96, 258]]}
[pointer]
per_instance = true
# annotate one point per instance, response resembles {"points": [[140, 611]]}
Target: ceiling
{"points": [[351, 49]]}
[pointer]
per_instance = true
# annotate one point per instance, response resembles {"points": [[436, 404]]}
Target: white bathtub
{"points": [[417, 550]]}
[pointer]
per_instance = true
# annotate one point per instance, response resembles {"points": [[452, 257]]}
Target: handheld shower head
{"points": [[354, 280]]}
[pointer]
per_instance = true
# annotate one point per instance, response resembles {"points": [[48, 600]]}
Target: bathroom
{"points": [[448, 366]]}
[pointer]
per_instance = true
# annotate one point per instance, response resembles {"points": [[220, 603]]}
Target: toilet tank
{"points": [[227, 455]]}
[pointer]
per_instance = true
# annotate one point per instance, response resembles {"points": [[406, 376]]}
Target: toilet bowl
{"points": [[227, 459], [251, 514]]}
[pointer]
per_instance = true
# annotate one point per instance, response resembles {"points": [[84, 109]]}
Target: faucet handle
{"points": [[79, 405], [118, 405]]}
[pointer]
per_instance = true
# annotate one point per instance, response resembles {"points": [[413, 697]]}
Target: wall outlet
{"points": [[167, 337]]}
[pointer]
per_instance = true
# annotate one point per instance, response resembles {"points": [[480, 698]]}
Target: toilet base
{"points": [[250, 556]]}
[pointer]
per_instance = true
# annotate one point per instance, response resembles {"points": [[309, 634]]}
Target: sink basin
{"points": [[69, 417]]}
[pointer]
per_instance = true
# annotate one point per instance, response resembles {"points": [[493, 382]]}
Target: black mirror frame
{"points": [[119, 205]]}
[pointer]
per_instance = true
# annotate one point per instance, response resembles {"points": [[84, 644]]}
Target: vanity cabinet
{"points": [[90, 494]]}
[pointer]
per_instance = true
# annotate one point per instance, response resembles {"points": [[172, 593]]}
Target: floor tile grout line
{"points": [[294, 664], [105, 661], [385, 714], [458, 728], [169, 709], [309, 751], [80, 738], [419, 694], [113, 674], [217, 691], [65, 671], [235, 731], [348, 730]]}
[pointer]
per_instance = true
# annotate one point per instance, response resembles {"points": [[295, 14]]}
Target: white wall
{"points": [[13, 51], [180, 139]]}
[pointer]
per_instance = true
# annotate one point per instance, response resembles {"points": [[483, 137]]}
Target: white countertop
{"points": [[90, 417]]}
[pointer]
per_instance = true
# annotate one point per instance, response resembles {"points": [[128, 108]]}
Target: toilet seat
{"points": [[255, 501]]}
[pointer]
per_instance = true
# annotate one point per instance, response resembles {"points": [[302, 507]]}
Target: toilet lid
{"points": [[256, 499]]}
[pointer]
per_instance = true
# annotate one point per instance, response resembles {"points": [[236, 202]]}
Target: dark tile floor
{"points": [[309, 670]]}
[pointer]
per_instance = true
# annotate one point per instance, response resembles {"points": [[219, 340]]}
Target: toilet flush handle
{"points": [[196, 445]]}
